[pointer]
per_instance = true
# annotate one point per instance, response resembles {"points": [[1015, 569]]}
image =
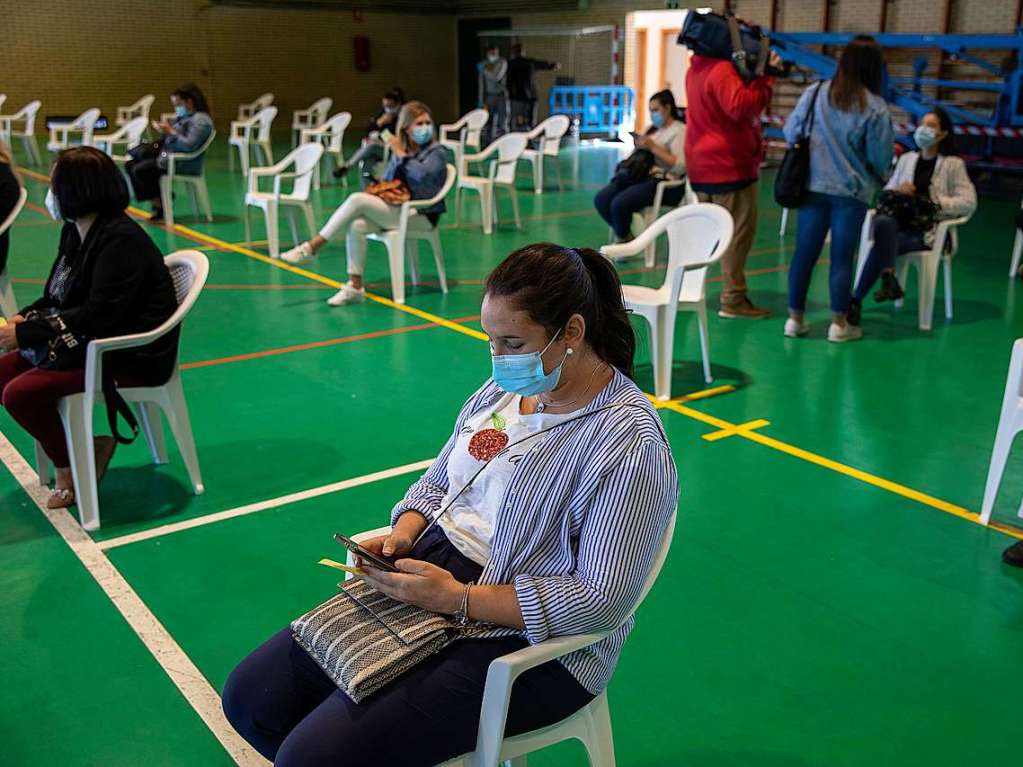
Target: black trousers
{"points": [[145, 178]]}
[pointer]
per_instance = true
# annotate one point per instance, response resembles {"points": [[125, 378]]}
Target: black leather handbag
{"points": [[794, 171]]}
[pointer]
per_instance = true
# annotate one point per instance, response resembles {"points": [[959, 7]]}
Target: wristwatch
{"points": [[461, 615]]}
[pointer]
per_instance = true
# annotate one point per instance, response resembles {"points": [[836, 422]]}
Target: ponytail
{"points": [[551, 283]]}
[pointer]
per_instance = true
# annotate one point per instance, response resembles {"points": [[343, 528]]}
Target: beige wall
{"points": [[74, 54]]}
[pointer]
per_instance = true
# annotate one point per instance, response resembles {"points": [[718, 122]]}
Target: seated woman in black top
{"points": [[109, 279], [10, 190]]}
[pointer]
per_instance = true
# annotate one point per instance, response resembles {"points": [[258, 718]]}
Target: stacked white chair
{"points": [[926, 262], [129, 135], [467, 134], [591, 725], [504, 155], [548, 135], [402, 241], [698, 235], [309, 118], [84, 125], [139, 109], [304, 160], [1010, 423], [253, 132], [197, 189], [8, 306], [245, 111], [331, 134], [189, 269], [27, 116]]}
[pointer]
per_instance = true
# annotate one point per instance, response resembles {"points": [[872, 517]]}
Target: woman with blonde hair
{"points": [[420, 163], [10, 190]]}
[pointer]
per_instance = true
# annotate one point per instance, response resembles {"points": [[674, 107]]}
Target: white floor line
{"points": [[172, 659], [272, 503]]}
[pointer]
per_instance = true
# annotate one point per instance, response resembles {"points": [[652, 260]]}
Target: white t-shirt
{"points": [[673, 138], [470, 522]]}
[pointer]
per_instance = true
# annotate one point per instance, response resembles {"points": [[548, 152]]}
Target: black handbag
{"points": [[635, 168], [794, 171], [912, 212], [147, 150]]}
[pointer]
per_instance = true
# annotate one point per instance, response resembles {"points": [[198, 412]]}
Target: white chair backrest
{"points": [[132, 131], [189, 270], [555, 128], [263, 102], [7, 222], [28, 114], [696, 234], [475, 121], [304, 158], [337, 126], [86, 123], [320, 109], [264, 120], [509, 149], [3, 98], [141, 107]]}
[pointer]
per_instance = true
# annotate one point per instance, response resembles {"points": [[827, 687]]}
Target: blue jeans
{"points": [[888, 243], [819, 213], [617, 201], [289, 710]]}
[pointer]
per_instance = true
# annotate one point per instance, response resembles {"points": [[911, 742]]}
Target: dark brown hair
{"points": [[947, 146], [551, 283], [667, 99], [859, 70], [192, 92], [85, 180]]}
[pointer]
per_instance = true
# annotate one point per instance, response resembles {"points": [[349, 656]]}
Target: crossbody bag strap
{"points": [[813, 112]]}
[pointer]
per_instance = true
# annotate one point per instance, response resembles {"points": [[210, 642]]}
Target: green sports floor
{"points": [[829, 600]]}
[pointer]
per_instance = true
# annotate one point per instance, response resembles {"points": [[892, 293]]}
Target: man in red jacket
{"points": [[724, 149]]}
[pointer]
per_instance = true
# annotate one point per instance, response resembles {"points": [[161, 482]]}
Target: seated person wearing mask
{"points": [[557, 536], [381, 127]]}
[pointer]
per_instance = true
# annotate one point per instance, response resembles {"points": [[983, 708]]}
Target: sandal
{"points": [[61, 498]]}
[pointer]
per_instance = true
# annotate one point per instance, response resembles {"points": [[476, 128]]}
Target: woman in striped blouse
{"points": [[556, 537]]}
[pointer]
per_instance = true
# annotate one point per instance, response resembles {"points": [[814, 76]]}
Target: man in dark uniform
{"points": [[522, 87]]}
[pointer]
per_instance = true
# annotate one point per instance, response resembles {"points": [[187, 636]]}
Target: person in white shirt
{"points": [[634, 186]]}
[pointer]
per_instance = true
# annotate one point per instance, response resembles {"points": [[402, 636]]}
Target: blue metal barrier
{"points": [[597, 108]]}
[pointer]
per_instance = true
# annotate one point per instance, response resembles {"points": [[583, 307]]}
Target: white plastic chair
{"points": [[331, 134], [243, 138], [309, 118], [84, 124], [698, 235], [128, 135], [8, 306], [641, 220], [1010, 423], [3, 98], [591, 725], [305, 160], [196, 184], [508, 150], [548, 135], [467, 134], [403, 241], [139, 109], [926, 264], [1017, 250], [189, 269], [245, 111], [27, 114]]}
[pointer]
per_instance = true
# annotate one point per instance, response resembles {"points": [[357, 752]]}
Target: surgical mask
{"points": [[53, 206], [422, 134], [390, 110], [181, 110], [523, 374], [493, 57], [657, 119], [925, 136]]}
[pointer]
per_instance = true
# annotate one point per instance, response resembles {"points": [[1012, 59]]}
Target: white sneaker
{"points": [[347, 295], [841, 333], [796, 328], [298, 255]]}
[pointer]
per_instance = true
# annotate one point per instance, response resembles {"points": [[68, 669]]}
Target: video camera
{"points": [[725, 37]]}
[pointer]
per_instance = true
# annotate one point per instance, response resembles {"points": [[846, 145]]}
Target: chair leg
{"points": [[78, 431], [412, 259], [701, 316], [8, 304], [538, 174], [175, 408], [167, 200], [307, 211], [438, 260], [1004, 437], [243, 158], [487, 208], [43, 466], [557, 167], [273, 243], [230, 157], [948, 287], [515, 206], [193, 199], [926, 288], [458, 205], [396, 257], [152, 427], [599, 741], [1017, 254], [902, 275], [247, 209], [664, 352], [204, 197], [293, 224]]}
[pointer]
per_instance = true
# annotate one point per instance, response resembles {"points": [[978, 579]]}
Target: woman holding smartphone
{"points": [[555, 537]]}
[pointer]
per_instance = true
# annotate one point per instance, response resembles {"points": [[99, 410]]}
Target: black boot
{"points": [[855, 311], [890, 289]]}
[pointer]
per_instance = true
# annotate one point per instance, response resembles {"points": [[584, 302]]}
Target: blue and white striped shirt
{"points": [[583, 516]]}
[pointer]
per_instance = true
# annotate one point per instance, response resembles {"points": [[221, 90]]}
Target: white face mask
{"points": [[493, 57], [52, 205]]}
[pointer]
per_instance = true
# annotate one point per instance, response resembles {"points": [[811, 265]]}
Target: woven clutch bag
{"points": [[363, 639]]}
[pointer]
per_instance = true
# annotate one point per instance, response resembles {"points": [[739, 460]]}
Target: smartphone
{"points": [[378, 562]]}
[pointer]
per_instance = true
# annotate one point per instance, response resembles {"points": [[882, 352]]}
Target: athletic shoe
{"points": [[1014, 554], [855, 312], [744, 310], [890, 289], [298, 255], [796, 328], [347, 295], [841, 333]]}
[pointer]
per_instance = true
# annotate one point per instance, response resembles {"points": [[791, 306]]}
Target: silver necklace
{"points": [[541, 406]]}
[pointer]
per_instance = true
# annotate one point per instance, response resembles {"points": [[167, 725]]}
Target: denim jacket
{"points": [[850, 152], [424, 173], [191, 133]]}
